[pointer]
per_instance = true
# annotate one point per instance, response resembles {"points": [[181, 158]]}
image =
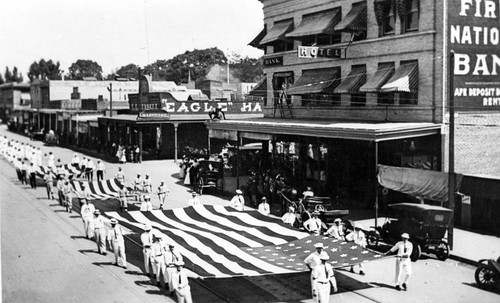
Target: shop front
{"points": [[337, 159]]}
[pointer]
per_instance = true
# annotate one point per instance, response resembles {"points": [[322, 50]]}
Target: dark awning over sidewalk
{"points": [[355, 20], [316, 81], [277, 32], [315, 24], [375, 82]]}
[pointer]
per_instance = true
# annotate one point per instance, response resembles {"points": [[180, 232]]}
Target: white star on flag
{"points": [[263, 257], [293, 255], [364, 252], [334, 262], [343, 243], [333, 250], [278, 247], [308, 241], [275, 254], [291, 244], [343, 255], [279, 263], [354, 247], [291, 260], [255, 253], [267, 250], [354, 259], [307, 251]]}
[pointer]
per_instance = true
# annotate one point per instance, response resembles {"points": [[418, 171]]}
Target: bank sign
{"points": [[474, 36]]}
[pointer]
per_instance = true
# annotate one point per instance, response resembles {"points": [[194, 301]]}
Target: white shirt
{"points": [[313, 225], [312, 260], [75, 160], [264, 208], [237, 202], [322, 272], [115, 234], [401, 246], [87, 210], [90, 164], [289, 218], [100, 166], [194, 201], [358, 237], [147, 238]]}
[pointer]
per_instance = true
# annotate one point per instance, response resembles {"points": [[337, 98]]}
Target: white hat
{"points": [[179, 263], [324, 256], [337, 220], [239, 192], [405, 236], [96, 211], [147, 227], [318, 245], [114, 221]]}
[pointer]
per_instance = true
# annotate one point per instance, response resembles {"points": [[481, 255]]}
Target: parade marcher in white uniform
{"points": [[51, 161], [264, 207], [172, 256], [49, 183], [137, 185], [162, 193], [147, 187], [323, 279], [120, 176], [314, 224], [194, 200], [238, 201], [180, 284], [89, 169], [60, 191], [289, 217], [122, 194], [157, 251], [68, 196], [117, 243], [404, 249], [359, 238], [75, 161], [337, 230], [101, 169], [87, 213], [99, 232], [313, 260], [147, 242], [38, 156], [32, 174]]}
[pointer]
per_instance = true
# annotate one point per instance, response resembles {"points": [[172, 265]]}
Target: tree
{"points": [[45, 70], [247, 69], [197, 63], [2, 81], [13, 76], [130, 71], [85, 68]]}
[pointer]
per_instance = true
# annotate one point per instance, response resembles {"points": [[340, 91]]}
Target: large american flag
{"points": [[100, 190], [67, 170], [220, 242]]}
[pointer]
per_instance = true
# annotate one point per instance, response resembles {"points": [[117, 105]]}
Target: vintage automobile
{"points": [[487, 274], [325, 207], [426, 225], [50, 139], [210, 175]]}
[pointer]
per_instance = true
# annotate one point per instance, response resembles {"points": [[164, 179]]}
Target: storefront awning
{"points": [[352, 83], [364, 131], [316, 81], [260, 90], [315, 24], [230, 135], [427, 184], [256, 41], [256, 136], [405, 79], [85, 118], [374, 83], [277, 32], [355, 20]]}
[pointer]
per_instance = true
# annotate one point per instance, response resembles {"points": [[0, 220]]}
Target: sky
{"points": [[115, 33]]}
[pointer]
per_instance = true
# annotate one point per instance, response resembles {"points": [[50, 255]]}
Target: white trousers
{"points": [[184, 295], [119, 251], [402, 266], [147, 253], [323, 292]]}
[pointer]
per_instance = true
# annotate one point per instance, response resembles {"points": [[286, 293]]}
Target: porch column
{"points": [[38, 120], [176, 125], [140, 145], [50, 121], [376, 183], [238, 159], [57, 122]]}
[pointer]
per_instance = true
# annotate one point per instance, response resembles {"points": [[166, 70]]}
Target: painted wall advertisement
{"points": [[474, 36]]}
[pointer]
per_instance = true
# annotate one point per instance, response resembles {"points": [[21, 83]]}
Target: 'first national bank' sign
{"points": [[474, 36]]}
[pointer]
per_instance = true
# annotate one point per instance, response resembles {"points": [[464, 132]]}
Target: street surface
{"points": [[45, 257]]}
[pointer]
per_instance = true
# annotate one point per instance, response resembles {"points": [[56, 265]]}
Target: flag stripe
{"points": [[202, 267], [100, 190]]}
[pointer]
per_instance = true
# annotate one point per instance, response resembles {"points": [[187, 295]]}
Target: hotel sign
{"points": [[318, 52], [474, 37]]}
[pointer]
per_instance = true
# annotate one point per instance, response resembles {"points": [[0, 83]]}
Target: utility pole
{"points": [[451, 153], [110, 89]]}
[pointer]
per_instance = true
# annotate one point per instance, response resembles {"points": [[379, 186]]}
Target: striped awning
{"points": [[256, 41], [374, 83], [260, 90], [318, 23], [277, 32], [352, 83], [405, 79], [355, 20], [316, 81]]}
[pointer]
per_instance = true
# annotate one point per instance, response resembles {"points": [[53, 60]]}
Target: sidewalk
{"points": [[469, 247]]}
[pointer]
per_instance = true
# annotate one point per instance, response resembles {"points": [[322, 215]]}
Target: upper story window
{"points": [[409, 15], [318, 28], [355, 22], [276, 36]]}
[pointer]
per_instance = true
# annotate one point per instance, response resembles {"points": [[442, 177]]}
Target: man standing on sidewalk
{"points": [[162, 193], [99, 232], [117, 243], [312, 261], [49, 183], [100, 170], [323, 278], [89, 169], [32, 173], [157, 250], [404, 249], [24, 173]]}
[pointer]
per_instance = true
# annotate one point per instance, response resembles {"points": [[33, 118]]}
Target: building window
{"points": [[385, 98], [410, 18], [322, 39], [358, 99], [282, 46], [321, 100], [388, 25], [408, 98]]}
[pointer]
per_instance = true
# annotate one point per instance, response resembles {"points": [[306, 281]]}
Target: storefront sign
{"points": [[274, 61], [230, 135], [474, 36], [153, 114], [318, 52], [206, 106], [83, 127]]}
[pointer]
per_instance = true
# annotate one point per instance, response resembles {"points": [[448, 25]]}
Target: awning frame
{"points": [[277, 32], [317, 23], [353, 81]]}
